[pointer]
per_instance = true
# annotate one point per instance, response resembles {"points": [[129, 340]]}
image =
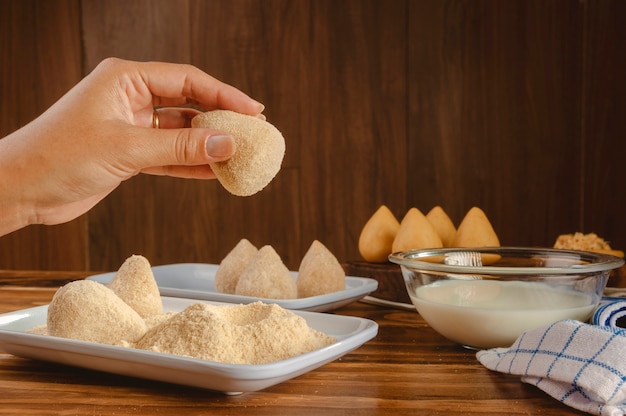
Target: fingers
{"points": [[158, 84], [171, 82], [173, 148]]}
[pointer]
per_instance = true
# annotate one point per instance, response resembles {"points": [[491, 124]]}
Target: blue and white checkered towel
{"points": [[582, 365]]}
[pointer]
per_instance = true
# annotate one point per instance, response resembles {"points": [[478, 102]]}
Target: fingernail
{"points": [[220, 146]]}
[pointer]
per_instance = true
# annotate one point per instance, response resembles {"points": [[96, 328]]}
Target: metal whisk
{"points": [[463, 258]]}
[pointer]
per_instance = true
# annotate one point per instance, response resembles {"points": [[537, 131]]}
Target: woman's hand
{"points": [[101, 133]]}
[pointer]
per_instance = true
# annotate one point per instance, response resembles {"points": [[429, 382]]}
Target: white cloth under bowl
{"points": [[582, 365]]}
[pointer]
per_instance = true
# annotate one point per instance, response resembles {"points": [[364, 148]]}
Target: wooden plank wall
{"points": [[40, 59], [514, 106]]}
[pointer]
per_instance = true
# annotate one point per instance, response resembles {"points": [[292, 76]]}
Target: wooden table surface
{"points": [[406, 369]]}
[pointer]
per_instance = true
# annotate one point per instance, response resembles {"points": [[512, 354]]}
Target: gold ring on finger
{"points": [[155, 119]]}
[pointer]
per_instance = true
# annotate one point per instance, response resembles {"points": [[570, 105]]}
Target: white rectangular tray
{"points": [[350, 332], [196, 281]]}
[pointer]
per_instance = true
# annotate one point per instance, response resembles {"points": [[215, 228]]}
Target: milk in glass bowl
{"points": [[487, 297]]}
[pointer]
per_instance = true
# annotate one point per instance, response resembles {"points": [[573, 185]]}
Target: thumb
{"points": [[185, 147]]}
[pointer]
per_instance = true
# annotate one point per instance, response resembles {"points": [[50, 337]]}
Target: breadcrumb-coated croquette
{"points": [[231, 267], [259, 153], [319, 272], [89, 311], [134, 283], [266, 276]]}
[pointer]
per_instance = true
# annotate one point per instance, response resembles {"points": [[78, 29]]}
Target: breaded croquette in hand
{"points": [[259, 153]]}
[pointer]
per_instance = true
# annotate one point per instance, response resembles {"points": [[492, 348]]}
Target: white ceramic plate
{"points": [[196, 281], [350, 332]]}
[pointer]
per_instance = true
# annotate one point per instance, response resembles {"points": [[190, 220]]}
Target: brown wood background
{"points": [[515, 106]]}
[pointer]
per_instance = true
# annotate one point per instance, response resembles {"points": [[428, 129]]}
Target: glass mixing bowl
{"points": [[487, 297]]}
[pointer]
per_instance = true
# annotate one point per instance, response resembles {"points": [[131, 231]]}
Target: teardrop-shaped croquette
{"points": [[377, 235], [259, 153], [266, 276], [89, 311], [416, 232], [134, 283], [475, 230], [231, 267], [319, 272], [442, 223]]}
